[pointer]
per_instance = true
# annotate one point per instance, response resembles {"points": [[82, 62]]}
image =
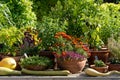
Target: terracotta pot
{"points": [[74, 66], [100, 69], [102, 55], [114, 67]]}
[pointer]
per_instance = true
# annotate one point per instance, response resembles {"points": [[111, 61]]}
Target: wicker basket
{"points": [[36, 67], [74, 66]]}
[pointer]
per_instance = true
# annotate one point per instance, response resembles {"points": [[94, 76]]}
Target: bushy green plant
{"points": [[35, 60], [5, 16], [110, 22], [42, 8], [21, 11], [81, 19], [47, 30], [10, 40], [114, 47]]}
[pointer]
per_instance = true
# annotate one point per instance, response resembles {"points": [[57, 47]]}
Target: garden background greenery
{"points": [[92, 20]]}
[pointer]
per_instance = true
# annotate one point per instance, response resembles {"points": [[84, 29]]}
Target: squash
{"points": [[93, 72], [7, 71], [8, 62], [46, 73]]}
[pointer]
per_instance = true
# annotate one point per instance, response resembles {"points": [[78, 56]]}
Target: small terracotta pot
{"points": [[100, 69]]}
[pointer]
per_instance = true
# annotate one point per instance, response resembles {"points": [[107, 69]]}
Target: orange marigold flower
{"points": [[55, 54], [67, 37], [60, 33], [63, 53], [81, 43], [56, 36], [77, 39], [83, 46], [74, 42], [77, 46], [86, 49]]}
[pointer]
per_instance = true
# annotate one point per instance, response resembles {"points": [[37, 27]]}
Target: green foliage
{"points": [[35, 60], [22, 13], [31, 44], [114, 47], [42, 8], [99, 63], [81, 19], [47, 29], [110, 23], [10, 40], [5, 16]]}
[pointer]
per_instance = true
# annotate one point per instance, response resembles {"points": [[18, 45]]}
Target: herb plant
{"points": [[35, 60], [47, 29], [114, 47], [99, 63]]}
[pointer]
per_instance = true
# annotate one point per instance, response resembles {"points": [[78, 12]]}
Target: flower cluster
{"points": [[69, 47]]}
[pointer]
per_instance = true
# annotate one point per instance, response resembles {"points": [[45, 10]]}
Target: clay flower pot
{"points": [[74, 66], [100, 69]]}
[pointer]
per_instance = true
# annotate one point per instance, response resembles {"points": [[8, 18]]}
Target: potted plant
{"points": [[36, 63], [114, 47], [70, 52], [31, 43], [100, 66], [46, 30], [97, 47]]}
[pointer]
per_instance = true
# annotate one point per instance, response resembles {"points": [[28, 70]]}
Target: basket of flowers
{"points": [[70, 52]]}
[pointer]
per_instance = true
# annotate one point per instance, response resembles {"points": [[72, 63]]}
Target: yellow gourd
{"points": [[8, 62], [7, 71], [93, 72]]}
